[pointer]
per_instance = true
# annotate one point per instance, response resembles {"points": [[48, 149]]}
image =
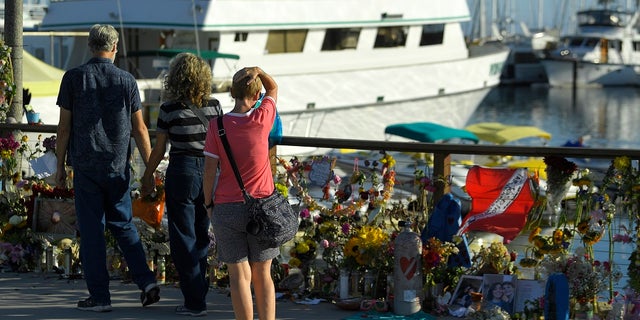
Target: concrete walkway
{"points": [[36, 296]]}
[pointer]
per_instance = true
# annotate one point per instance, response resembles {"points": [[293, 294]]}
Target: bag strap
{"points": [[227, 148], [199, 114]]}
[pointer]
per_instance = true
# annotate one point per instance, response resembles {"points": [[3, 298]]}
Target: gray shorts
{"points": [[234, 244]]}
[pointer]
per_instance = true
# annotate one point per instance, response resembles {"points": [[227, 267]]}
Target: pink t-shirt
{"points": [[248, 135]]}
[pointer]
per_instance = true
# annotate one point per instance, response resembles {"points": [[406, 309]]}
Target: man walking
{"points": [[100, 110]]}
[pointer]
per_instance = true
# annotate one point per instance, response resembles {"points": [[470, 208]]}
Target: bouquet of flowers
{"points": [[559, 173], [435, 258], [8, 147], [554, 244], [49, 144], [489, 311], [368, 248], [495, 259], [586, 278], [302, 253]]}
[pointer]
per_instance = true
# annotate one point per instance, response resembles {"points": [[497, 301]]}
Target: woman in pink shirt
{"points": [[247, 129]]}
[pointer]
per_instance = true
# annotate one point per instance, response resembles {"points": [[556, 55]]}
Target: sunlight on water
{"points": [[605, 117]]}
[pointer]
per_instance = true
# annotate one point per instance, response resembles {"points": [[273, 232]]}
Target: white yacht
{"points": [[603, 52], [325, 54]]}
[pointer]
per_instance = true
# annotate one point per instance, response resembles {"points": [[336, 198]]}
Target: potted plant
{"points": [[33, 117]]}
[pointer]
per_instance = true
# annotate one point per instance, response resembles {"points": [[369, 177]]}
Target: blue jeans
{"points": [[104, 199], [188, 227]]}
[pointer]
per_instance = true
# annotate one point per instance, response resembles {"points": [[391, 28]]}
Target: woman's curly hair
{"points": [[189, 79]]}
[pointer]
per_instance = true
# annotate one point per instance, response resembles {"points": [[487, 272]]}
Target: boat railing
{"points": [[442, 152]]}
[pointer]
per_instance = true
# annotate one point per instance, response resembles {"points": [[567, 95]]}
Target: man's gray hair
{"points": [[102, 37]]}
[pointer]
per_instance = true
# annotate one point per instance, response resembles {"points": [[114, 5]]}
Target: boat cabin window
{"points": [[241, 37], [388, 37], [605, 18], [591, 42], [636, 46], [284, 41], [575, 42], [340, 39], [432, 34]]}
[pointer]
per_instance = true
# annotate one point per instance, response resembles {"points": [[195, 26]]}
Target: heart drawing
{"points": [[408, 266]]}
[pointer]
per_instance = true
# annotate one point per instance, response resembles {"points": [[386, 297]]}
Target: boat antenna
{"points": [[195, 24], [124, 43]]}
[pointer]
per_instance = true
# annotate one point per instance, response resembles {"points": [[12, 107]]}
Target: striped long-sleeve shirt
{"points": [[186, 132]]}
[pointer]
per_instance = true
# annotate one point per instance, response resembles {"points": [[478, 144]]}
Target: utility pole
{"points": [[13, 39]]}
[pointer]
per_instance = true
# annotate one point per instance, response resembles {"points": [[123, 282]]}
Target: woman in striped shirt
{"points": [[188, 83]]}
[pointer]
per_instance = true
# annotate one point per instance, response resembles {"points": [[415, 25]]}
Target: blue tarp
{"points": [[429, 132]]}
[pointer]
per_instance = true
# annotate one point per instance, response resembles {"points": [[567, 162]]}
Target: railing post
{"points": [[441, 174], [273, 153]]}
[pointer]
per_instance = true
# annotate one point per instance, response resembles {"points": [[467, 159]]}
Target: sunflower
{"points": [[539, 242], [583, 226], [351, 249], [558, 236], [534, 233]]}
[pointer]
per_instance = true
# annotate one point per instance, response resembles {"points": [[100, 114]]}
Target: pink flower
{"points": [[324, 243], [304, 213], [346, 227]]}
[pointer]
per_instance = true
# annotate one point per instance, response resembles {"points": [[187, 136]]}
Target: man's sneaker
{"points": [[150, 295], [89, 304], [182, 310]]}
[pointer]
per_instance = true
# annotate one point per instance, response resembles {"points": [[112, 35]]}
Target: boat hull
{"points": [[566, 73], [372, 86], [369, 122]]}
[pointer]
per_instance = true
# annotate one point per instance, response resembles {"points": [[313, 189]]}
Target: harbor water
{"points": [[605, 117]]}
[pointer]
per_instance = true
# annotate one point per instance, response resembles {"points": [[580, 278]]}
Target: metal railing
{"points": [[442, 151]]}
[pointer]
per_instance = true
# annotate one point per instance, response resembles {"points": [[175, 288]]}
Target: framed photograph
{"points": [[500, 290], [528, 290], [54, 218], [461, 297]]}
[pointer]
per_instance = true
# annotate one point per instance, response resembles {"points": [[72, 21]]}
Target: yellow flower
{"points": [[622, 163], [327, 227], [294, 262], [539, 242], [302, 248], [25, 139], [388, 160], [558, 236], [351, 248], [583, 226], [534, 233]]}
